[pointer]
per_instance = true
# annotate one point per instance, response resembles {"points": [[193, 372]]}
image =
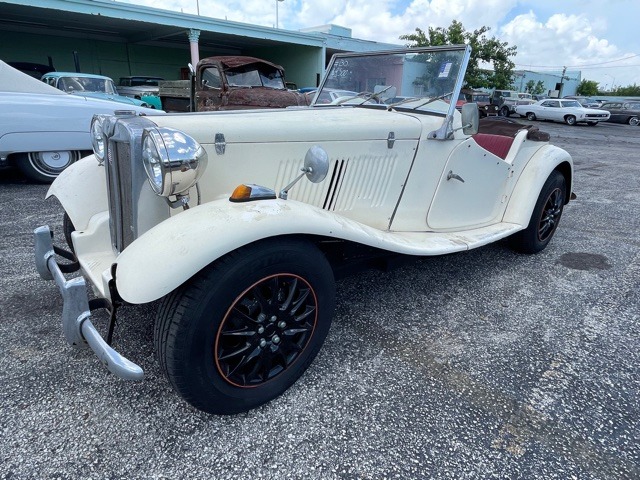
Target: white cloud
{"points": [[553, 32]]}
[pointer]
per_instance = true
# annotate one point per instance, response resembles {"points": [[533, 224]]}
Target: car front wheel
{"points": [[570, 120], [504, 112], [44, 167], [545, 217], [531, 116], [634, 121], [242, 331]]}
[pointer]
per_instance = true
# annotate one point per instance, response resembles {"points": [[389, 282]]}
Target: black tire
{"points": [[545, 217], [504, 112], [67, 228], [633, 121], [570, 120], [44, 167], [531, 116], [229, 339]]}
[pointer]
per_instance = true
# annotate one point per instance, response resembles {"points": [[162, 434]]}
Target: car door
{"points": [[551, 110], [209, 90], [472, 189]]}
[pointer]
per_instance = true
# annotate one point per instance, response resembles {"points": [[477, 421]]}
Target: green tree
{"points": [[539, 88], [530, 87], [483, 50], [628, 91], [587, 88]]}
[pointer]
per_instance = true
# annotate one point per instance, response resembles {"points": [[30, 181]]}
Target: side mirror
{"points": [[470, 118], [316, 167]]}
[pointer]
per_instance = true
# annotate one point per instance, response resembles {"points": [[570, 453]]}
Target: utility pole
{"points": [[564, 70]]}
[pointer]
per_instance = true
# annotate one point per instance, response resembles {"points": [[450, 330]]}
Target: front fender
{"points": [[173, 251], [81, 189], [527, 189]]}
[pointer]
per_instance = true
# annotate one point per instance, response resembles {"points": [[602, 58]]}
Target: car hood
{"points": [[113, 98], [12, 80]]}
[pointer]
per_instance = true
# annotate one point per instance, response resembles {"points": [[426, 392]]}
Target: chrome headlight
{"points": [[174, 161], [97, 137]]}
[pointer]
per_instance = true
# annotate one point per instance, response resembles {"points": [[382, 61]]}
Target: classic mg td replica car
{"points": [[238, 222]]}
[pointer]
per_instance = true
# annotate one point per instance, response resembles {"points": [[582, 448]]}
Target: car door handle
{"points": [[455, 176]]}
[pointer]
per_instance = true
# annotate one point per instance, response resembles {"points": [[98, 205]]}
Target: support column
{"points": [[194, 35]]}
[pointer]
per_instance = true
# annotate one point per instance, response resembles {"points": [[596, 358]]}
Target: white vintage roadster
{"points": [[239, 221]]}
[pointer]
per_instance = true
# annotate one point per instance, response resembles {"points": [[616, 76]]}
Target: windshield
{"points": [[250, 76], [85, 84], [415, 79]]}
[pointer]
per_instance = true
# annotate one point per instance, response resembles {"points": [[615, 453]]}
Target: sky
{"points": [[600, 38]]}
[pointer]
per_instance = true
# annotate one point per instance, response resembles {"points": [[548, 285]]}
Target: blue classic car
{"points": [[89, 85]]}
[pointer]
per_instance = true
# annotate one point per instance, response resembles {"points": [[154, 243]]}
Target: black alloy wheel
{"points": [[242, 331], [545, 217], [265, 330]]}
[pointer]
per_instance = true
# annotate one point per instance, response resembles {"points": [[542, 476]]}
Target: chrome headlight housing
{"points": [[174, 161], [98, 140]]}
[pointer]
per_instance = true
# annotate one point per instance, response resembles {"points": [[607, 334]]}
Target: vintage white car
{"points": [[42, 129], [570, 112], [239, 221]]}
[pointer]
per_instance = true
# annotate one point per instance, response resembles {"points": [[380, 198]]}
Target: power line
{"points": [[580, 66]]}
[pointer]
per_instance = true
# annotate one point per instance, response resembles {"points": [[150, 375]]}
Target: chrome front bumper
{"points": [[76, 324]]}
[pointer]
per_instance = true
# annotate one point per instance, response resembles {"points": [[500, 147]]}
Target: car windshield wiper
{"points": [[431, 100], [367, 96]]}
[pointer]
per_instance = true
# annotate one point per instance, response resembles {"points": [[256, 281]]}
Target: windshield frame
{"points": [[446, 129]]}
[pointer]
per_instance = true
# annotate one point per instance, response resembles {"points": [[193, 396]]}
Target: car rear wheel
{"points": [[634, 121], [570, 120], [531, 116], [242, 331], [44, 167], [545, 217]]}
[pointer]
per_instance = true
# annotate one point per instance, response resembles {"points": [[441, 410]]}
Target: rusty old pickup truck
{"points": [[230, 83]]}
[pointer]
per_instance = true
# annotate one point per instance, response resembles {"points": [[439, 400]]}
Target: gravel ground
{"points": [[486, 364]]}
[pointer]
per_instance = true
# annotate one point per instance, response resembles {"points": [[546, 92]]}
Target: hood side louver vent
{"points": [[339, 170]]}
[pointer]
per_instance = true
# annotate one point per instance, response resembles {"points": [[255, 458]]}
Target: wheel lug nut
{"points": [[261, 330], [263, 343], [262, 317], [276, 339], [273, 318], [282, 324]]}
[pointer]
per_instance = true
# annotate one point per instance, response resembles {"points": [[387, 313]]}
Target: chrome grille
{"points": [[127, 183], [120, 195]]}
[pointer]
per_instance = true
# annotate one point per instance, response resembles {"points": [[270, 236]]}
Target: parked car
{"points": [[35, 70], [239, 222], [586, 102], [141, 88], [90, 86], [623, 112], [231, 83], [44, 130], [331, 95], [483, 100], [563, 110], [507, 100], [538, 96]]}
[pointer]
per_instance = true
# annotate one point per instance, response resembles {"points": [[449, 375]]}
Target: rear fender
{"points": [[527, 189]]}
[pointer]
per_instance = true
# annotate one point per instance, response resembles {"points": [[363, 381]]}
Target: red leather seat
{"points": [[499, 145]]}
